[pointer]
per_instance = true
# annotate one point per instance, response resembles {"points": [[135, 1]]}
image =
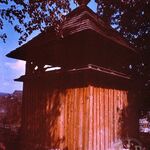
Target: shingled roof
{"points": [[80, 22], [83, 18]]}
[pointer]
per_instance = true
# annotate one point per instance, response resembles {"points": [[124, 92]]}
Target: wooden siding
{"points": [[87, 118]]}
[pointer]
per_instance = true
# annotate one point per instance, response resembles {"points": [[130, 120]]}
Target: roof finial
{"points": [[83, 2]]}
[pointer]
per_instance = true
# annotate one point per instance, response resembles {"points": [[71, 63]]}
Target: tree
{"points": [[29, 15], [132, 20], [130, 17]]}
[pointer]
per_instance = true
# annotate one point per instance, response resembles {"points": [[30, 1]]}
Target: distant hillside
{"points": [[3, 94], [7, 96], [10, 108], [16, 92]]}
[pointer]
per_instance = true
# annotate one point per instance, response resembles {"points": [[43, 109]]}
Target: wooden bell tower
{"points": [[76, 92]]}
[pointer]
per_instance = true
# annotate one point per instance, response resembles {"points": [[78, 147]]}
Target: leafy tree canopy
{"points": [[130, 17], [29, 15]]}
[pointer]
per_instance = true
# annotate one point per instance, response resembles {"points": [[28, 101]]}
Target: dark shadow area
{"points": [[52, 116], [129, 121], [43, 108]]}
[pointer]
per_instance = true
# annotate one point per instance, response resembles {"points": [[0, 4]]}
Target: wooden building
{"points": [[76, 91]]}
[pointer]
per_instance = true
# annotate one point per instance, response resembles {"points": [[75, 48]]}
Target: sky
{"points": [[11, 69]]}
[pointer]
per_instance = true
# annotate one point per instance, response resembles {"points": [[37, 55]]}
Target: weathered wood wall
{"points": [[86, 118]]}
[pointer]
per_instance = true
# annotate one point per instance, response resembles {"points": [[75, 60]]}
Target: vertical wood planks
{"points": [[85, 118]]}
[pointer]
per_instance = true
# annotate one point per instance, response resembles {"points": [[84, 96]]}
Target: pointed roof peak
{"points": [[83, 2]]}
